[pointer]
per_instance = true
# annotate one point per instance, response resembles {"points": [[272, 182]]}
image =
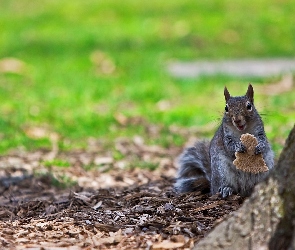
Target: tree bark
{"points": [[267, 218]]}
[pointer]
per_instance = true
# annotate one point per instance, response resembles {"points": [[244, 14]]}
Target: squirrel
{"points": [[208, 166]]}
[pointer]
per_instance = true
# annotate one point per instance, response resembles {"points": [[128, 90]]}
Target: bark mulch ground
{"points": [[110, 206]]}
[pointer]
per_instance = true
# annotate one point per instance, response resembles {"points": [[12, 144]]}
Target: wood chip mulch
{"points": [[121, 208]]}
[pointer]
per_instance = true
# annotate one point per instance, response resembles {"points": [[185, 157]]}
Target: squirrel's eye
{"points": [[226, 108], [249, 106]]}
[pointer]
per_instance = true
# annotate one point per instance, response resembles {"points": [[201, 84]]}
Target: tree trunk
{"points": [[267, 219]]}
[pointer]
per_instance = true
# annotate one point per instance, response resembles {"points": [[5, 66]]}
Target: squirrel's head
{"points": [[239, 109]]}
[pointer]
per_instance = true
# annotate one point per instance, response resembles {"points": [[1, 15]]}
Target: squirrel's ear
{"points": [[226, 94], [250, 93]]}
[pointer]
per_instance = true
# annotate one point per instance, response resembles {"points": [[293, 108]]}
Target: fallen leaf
{"points": [[12, 65], [121, 119], [167, 244], [102, 62], [286, 84], [103, 160], [97, 205]]}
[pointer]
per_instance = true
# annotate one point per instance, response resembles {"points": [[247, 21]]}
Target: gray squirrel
{"points": [[209, 165]]}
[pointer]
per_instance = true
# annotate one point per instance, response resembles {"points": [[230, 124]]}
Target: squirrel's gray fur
{"points": [[210, 164]]}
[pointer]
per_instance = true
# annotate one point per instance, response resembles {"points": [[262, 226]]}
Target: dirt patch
{"points": [[110, 207]]}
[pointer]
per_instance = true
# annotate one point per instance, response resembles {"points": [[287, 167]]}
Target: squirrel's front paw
{"points": [[240, 148], [257, 150], [225, 191]]}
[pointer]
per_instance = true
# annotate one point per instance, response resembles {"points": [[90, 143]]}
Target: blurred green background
{"points": [[97, 69]]}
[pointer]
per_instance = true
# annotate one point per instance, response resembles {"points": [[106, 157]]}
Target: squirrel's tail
{"points": [[194, 172]]}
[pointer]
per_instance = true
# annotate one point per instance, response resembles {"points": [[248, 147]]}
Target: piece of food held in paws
{"points": [[249, 161]]}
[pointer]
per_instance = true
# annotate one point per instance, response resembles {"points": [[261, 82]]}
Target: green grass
{"points": [[57, 163], [87, 61]]}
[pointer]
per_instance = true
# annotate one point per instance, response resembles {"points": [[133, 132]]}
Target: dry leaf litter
{"points": [[113, 205]]}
